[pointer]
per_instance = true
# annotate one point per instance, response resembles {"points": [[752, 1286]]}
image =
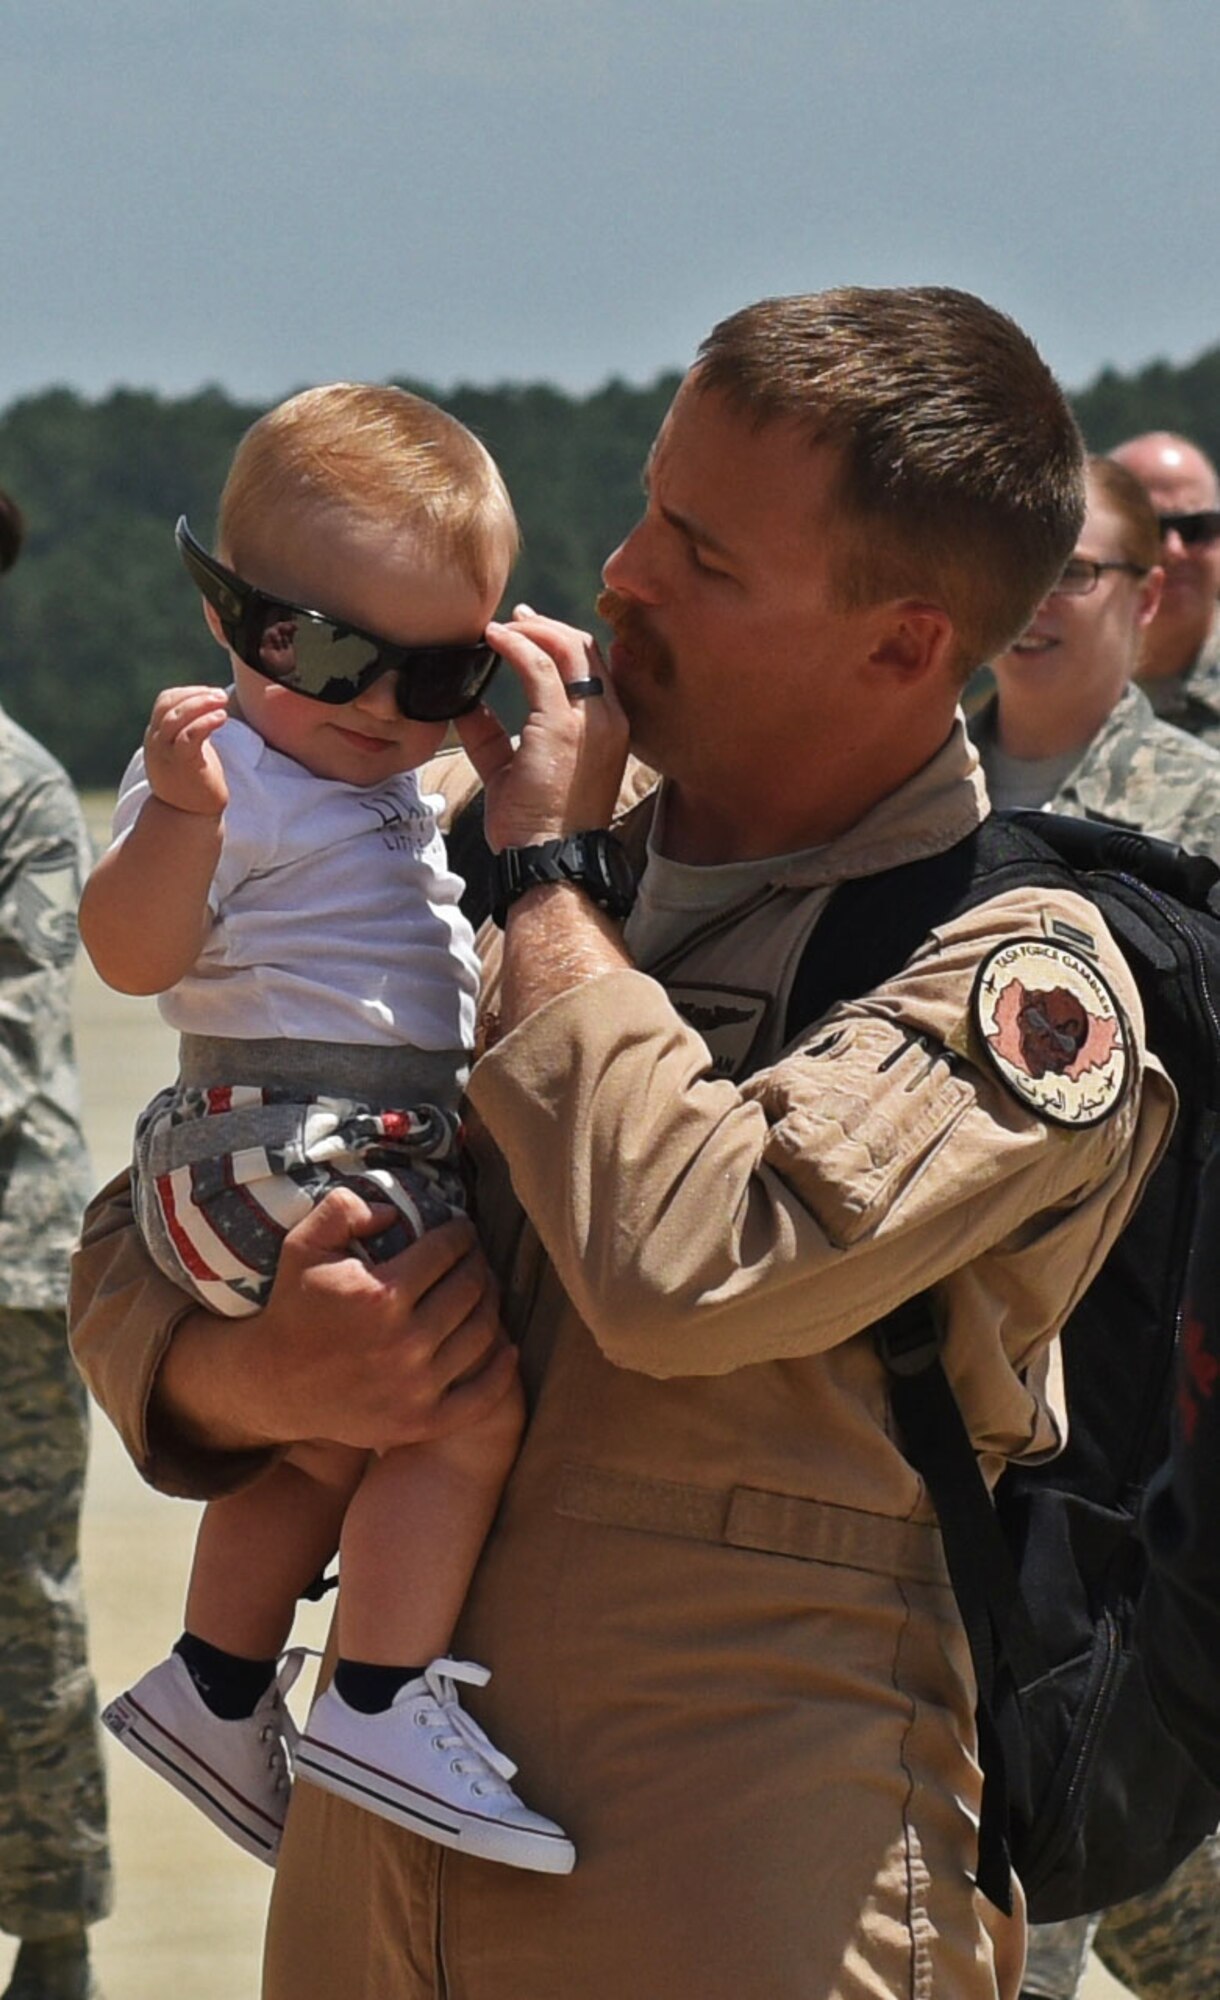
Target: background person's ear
{"points": [[1148, 597]]}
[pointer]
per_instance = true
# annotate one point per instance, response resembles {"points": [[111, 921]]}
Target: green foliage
{"points": [[98, 613], [1158, 398]]}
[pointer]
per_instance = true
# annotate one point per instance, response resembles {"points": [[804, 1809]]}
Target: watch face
{"points": [[597, 860]]}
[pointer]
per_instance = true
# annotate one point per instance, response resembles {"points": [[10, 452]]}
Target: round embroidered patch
{"points": [[1052, 1031]]}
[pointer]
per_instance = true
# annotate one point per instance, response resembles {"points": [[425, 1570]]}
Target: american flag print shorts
{"points": [[222, 1174]]}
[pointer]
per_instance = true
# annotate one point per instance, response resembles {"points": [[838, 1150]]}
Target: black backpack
{"points": [[1178, 1627], [1098, 1672]]}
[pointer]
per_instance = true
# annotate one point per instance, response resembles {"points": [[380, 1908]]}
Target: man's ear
{"points": [[916, 641]]}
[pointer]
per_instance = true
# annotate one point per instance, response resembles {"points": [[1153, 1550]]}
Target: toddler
{"points": [[278, 879]]}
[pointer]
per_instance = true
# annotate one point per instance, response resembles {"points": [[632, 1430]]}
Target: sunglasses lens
{"points": [[1193, 529], [443, 681], [308, 655]]}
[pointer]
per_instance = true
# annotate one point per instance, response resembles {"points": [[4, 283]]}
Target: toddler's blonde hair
{"points": [[385, 454]]}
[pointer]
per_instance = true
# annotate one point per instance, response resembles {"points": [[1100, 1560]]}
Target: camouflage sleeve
{"points": [[1166, 1945], [42, 864]]}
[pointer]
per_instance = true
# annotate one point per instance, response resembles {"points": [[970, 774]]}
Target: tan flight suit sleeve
{"points": [[122, 1315], [699, 1227]]}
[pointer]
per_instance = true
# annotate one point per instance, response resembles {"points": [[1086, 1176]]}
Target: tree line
{"points": [[98, 613]]}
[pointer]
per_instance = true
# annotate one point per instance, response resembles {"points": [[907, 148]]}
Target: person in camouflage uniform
{"points": [[1065, 728], [1180, 663], [54, 1861], [1164, 1945]]}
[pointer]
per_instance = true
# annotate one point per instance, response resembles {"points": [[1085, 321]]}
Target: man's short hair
{"points": [[383, 454], [12, 531], [959, 461], [1127, 498]]}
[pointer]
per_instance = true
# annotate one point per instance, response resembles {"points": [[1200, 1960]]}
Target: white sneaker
{"points": [[425, 1764], [238, 1773]]}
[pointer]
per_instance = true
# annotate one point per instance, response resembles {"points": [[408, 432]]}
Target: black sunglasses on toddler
{"points": [[317, 656]]}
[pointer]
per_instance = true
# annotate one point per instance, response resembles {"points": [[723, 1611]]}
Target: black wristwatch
{"points": [[595, 862]]}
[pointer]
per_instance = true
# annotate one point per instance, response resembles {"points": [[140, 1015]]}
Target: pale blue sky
{"points": [[262, 193]]}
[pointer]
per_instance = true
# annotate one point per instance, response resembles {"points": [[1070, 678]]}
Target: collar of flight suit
{"points": [[935, 808]]}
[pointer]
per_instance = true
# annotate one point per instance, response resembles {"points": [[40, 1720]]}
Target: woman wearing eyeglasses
{"points": [[1067, 729]]}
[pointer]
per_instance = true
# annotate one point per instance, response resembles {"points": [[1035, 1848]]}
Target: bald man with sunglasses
{"points": [[1180, 663]]}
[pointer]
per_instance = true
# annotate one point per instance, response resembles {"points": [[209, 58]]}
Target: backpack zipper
{"points": [[1050, 1852]]}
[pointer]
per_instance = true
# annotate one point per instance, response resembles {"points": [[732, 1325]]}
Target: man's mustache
{"points": [[615, 610], [627, 621]]}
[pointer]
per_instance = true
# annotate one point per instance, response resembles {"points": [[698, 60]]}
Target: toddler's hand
{"points": [[183, 769]]}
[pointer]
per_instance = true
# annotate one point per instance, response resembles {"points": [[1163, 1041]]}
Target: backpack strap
{"points": [[871, 926], [470, 857], [1004, 1648]]}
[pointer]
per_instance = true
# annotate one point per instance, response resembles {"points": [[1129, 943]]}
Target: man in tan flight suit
{"points": [[724, 1647]]}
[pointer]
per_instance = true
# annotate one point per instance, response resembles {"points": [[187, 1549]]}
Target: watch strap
{"points": [[592, 861]]}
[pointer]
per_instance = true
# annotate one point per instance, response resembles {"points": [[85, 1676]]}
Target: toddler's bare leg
{"points": [[257, 1550], [412, 1535], [390, 1733]]}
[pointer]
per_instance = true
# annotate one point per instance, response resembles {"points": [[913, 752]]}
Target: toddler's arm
{"points": [[144, 913]]}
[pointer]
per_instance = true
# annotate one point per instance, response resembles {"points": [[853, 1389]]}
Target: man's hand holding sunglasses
{"points": [[563, 773], [561, 778], [182, 768]]}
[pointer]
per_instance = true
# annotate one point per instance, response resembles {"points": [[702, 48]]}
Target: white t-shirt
{"points": [[334, 913]]}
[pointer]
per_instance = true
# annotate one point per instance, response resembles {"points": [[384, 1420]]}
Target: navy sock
{"points": [[371, 1689], [229, 1685]]}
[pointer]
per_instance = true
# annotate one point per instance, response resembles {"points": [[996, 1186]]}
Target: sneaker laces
{"points": [[280, 1727], [459, 1731]]}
